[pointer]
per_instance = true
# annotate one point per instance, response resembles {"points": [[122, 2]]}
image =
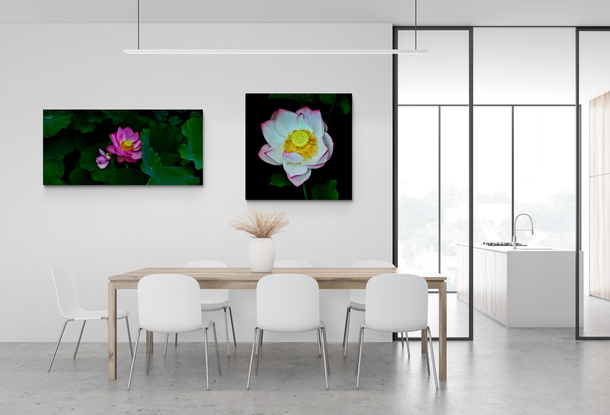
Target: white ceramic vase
{"points": [[262, 254]]}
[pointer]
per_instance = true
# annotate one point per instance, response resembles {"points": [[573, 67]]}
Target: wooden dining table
{"points": [[244, 278]]}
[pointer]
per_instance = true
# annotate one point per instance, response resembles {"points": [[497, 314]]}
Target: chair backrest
{"points": [[396, 302], [288, 303], [358, 295], [292, 263], [210, 295], [169, 303], [67, 295]]}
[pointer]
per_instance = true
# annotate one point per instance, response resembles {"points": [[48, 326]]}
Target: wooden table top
{"points": [[244, 278]]}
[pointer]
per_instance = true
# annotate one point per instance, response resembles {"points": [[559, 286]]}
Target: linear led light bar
{"points": [[275, 51]]}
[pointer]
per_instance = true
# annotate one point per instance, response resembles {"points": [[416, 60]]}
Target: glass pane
{"points": [[439, 77], [418, 187], [454, 189], [545, 175], [594, 84], [492, 174], [524, 65]]}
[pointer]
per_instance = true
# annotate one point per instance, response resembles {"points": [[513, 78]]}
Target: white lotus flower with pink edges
{"points": [[298, 141]]}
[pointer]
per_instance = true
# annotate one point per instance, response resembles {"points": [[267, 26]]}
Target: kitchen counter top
{"points": [[507, 249]]}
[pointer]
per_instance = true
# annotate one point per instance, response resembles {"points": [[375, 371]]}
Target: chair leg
{"points": [[260, 348], [216, 344], [325, 356], [232, 327], [57, 347], [150, 347], [254, 342], [166, 341], [346, 330], [133, 361], [359, 360], [325, 345], [207, 372], [79, 337], [176, 341], [425, 340], [319, 345], [431, 356], [408, 348], [227, 332], [128, 334], [402, 339]]}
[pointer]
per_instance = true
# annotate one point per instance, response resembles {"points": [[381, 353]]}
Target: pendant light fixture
{"points": [[139, 51]]}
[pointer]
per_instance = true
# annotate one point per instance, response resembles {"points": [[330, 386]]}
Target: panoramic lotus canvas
{"points": [[122, 147], [298, 146]]}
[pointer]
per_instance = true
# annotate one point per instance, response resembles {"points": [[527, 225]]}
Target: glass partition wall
{"points": [[467, 165], [593, 85], [432, 163]]}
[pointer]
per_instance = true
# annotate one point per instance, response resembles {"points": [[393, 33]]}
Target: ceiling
{"points": [[398, 12]]}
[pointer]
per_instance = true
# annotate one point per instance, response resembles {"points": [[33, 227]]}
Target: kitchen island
{"points": [[526, 287]]}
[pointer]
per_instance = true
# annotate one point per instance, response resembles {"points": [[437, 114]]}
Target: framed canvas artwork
{"points": [[122, 147], [299, 146]]}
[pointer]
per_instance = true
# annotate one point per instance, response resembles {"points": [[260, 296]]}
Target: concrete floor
{"points": [[517, 371]]}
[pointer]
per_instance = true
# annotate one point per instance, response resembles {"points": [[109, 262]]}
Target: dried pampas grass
{"points": [[260, 223]]}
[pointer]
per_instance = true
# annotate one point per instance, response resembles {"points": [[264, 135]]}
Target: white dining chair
{"points": [[288, 303], [295, 263], [71, 309], [357, 301], [212, 300], [396, 303], [170, 303]]}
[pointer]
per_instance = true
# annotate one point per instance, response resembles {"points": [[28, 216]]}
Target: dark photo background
{"points": [[333, 181]]}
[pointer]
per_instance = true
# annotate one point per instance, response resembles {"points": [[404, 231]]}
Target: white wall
{"points": [[103, 231]]}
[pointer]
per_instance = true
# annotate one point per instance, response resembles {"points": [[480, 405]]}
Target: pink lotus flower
{"points": [[298, 141], [125, 144], [103, 160]]}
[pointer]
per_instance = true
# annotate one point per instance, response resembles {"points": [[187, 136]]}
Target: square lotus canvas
{"points": [[122, 147], [299, 146]]}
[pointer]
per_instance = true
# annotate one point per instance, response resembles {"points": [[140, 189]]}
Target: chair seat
{"points": [[213, 305], [284, 329], [356, 305], [99, 314]]}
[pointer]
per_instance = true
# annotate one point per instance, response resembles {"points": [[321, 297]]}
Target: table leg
{"points": [[111, 331], [442, 337]]}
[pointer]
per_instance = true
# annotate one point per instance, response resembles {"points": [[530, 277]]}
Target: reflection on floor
{"points": [[533, 371], [597, 317]]}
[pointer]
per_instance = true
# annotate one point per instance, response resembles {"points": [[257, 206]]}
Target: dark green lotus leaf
{"points": [[325, 191], [174, 120], [279, 179], [80, 143], [160, 115], [53, 182], [94, 116], [328, 98], [196, 114], [160, 138], [57, 147], [131, 176], [115, 116], [170, 159], [160, 174], [87, 162], [52, 169], [192, 149], [81, 123], [80, 176], [100, 175], [54, 121], [344, 104]]}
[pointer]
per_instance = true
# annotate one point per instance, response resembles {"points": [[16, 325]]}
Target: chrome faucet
{"points": [[515, 228]]}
